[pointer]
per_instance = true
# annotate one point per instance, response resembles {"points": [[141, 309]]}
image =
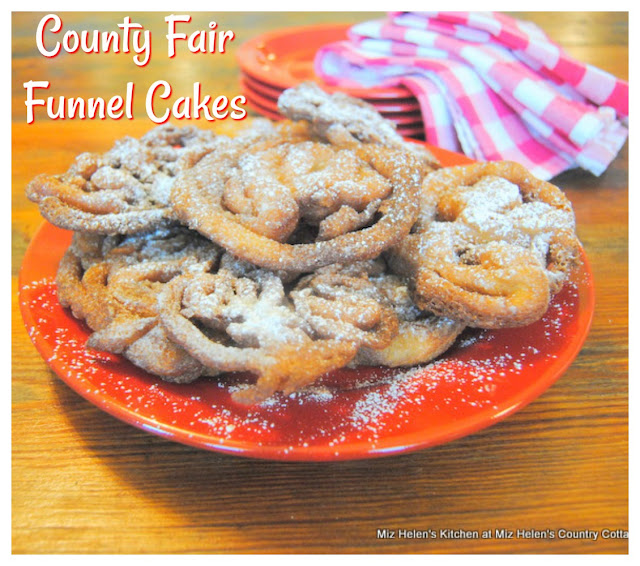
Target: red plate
{"points": [[263, 89], [414, 132], [253, 104], [404, 118], [284, 58], [484, 378], [258, 97]]}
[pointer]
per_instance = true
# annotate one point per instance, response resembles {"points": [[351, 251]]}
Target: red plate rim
{"points": [[308, 37]]}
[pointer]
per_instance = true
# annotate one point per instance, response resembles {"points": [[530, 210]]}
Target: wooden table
{"points": [[84, 482]]}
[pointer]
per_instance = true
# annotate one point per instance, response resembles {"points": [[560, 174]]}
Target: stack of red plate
{"points": [[275, 61]]}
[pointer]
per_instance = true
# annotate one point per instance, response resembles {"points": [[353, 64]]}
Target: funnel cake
{"points": [[125, 190], [305, 196], [300, 205], [231, 323], [112, 282], [336, 296], [421, 335], [243, 318], [491, 245]]}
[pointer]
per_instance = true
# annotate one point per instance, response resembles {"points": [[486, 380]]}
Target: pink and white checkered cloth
{"points": [[491, 86]]}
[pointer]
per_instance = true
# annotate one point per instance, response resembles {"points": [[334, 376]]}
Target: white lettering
{"points": [[57, 26], [149, 101], [134, 36], [172, 35], [31, 102]]}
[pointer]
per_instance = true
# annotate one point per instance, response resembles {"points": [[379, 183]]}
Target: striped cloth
{"points": [[490, 86]]}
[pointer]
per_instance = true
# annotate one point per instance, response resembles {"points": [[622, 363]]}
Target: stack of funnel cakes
{"points": [[297, 248]]}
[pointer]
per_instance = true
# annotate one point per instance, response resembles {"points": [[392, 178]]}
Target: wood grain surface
{"points": [[84, 482]]}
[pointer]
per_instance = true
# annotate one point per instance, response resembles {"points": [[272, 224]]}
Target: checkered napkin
{"points": [[491, 86]]}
